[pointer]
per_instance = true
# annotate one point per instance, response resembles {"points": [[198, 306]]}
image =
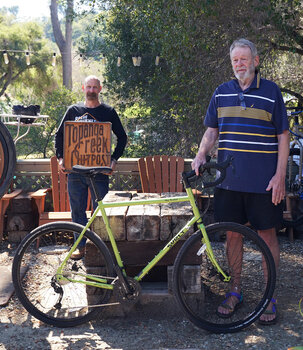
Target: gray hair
{"points": [[92, 77], [244, 43]]}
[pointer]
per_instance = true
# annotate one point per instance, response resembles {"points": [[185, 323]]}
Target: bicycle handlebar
{"points": [[221, 167], [294, 114]]}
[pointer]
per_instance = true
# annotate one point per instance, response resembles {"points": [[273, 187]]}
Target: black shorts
{"points": [[242, 207]]}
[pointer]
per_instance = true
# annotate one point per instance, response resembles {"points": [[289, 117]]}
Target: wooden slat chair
{"points": [[4, 203], [60, 198], [160, 174]]}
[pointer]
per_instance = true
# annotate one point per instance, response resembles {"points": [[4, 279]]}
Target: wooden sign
{"points": [[87, 144]]}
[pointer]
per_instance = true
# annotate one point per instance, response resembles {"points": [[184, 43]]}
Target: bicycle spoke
{"points": [[60, 301]]}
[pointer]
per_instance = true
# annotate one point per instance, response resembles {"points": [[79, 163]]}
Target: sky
{"points": [[29, 8]]}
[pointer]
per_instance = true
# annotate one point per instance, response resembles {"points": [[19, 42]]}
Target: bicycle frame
{"points": [[296, 142], [100, 282]]}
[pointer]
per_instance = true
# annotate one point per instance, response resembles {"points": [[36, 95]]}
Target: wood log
{"points": [[22, 204], [116, 216], [20, 222], [16, 236], [143, 221], [140, 253], [191, 276], [174, 216]]}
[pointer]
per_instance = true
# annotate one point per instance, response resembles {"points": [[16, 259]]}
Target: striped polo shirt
{"points": [[248, 122]]}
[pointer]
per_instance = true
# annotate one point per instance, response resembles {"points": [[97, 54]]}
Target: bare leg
{"points": [[234, 250], [270, 238]]}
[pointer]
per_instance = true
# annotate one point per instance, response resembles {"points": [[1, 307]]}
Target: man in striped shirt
{"points": [[249, 117]]}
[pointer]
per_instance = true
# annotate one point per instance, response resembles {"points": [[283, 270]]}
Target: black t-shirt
{"points": [[102, 113]]}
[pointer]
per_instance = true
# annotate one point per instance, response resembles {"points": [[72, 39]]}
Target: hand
{"points": [[199, 160], [61, 166], [113, 166], [277, 185]]}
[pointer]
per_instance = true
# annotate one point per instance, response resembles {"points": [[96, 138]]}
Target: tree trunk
{"points": [[64, 43]]}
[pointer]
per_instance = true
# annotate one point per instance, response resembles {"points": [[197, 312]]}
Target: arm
{"points": [[277, 182], [59, 139], [208, 141], [119, 131]]}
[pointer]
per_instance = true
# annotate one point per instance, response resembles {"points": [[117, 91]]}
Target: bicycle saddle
{"points": [[89, 171]]}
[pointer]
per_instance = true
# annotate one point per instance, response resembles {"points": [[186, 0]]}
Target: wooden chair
{"points": [[4, 203], [160, 174], [60, 198]]}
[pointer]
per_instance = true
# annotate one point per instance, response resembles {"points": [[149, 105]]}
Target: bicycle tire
{"points": [[199, 288], [40, 254], [7, 159]]}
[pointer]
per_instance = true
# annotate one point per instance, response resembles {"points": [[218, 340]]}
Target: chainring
{"points": [[124, 298]]}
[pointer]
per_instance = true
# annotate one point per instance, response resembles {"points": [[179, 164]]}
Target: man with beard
{"points": [[92, 110], [249, 117]]}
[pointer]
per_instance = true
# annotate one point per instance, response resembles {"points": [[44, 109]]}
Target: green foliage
{"points": [[167, 101], [192, 38], [22, 37], [193, 48], [281, 41], [39, 142]]}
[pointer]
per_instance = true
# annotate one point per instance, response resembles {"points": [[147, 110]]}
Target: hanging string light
{"points": [[137, 60], [103, 60], [54, 59], [5, 56], [27, 58], [134, 58]]}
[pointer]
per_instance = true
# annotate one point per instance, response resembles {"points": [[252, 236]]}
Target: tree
{"points": [[64, 42], [18, 38], [192, 38], [192, 46], [280, 34]]}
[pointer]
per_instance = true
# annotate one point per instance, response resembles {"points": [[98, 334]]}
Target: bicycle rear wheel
{"points": [[64, 304], [199, 288], [7, 159]]}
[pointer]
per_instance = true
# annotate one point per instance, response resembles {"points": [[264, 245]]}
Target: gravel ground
{"points": [[152, 327]]}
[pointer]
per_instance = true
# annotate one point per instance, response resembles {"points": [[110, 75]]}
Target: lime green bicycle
{"points": [[62, 292]]}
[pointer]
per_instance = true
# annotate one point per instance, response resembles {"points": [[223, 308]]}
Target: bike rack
{"points": [[295, 144], [15, 120]]}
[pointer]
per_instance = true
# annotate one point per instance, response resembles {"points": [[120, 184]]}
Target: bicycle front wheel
{"points": [[200, 288], [67, 303], [7, 159]]}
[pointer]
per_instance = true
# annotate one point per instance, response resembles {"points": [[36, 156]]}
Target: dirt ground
{"points": [[154, 327]]}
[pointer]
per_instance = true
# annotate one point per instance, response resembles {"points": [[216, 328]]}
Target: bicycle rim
{"points": [[199, 288], [40, 254], [7, 159]]}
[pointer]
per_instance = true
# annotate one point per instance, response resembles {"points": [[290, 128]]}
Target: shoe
{"points": [[231, 309], [273, 311], [78, 254]]}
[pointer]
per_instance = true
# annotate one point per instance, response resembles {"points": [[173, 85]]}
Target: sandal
{"points": [[273, 311], [231, 309]]}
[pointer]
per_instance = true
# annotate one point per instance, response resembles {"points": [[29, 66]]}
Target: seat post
{"points": [[95, 190]]}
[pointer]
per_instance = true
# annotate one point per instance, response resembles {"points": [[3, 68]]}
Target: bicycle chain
{"points": [[124, 298]]}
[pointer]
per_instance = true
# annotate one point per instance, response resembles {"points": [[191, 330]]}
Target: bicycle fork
{"points": [[206, 246]]}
